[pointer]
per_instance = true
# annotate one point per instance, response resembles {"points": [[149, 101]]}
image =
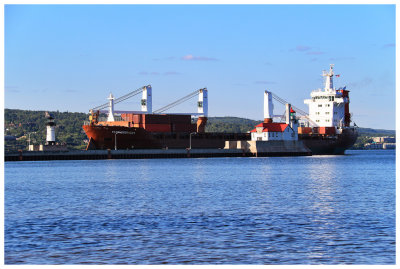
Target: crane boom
{"points": [[179, 101], [298, 110], [120, 99]]}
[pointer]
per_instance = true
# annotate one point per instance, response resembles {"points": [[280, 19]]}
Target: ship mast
{"points": [[329, 79], [111, 108]]}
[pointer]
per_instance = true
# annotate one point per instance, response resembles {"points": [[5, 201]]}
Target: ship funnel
{"points": [[268, 107]]}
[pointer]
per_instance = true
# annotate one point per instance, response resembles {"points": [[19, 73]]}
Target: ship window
{"points": [[327, 113], [317, 120], [320, 105]]}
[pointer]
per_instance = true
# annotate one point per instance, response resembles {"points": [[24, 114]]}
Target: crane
{"points": [[120, 99], [202, 104], [304, 115]]}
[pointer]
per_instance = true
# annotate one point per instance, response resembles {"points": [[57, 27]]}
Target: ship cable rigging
{"points": [[179, 101], [120, 99], [298, 110], [282, 101]]}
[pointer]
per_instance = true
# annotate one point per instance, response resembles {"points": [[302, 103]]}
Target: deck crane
{"points": [[304, 115], [146, 102], [202, 107], [122, 98], [202, 104]]}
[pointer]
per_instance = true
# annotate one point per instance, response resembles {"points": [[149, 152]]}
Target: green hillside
{"points": [[20, 123], [230, 124]]}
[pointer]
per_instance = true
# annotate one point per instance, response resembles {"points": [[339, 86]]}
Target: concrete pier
{"points": [[270, 148], [142, 154]]}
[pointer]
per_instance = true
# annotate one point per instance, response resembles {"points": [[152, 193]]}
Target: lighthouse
{"points": [[51, 134]]}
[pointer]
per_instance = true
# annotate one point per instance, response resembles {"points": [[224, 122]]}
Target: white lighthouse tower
{"points": [[51, 134]]}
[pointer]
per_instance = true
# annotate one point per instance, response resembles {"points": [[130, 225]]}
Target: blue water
{"points": [[291, 210]]}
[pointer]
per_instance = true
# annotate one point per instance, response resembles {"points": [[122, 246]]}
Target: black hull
{"points": [[334, 145]]}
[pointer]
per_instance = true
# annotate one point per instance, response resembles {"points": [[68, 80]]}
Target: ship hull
{"points": [[119, 137], [330, 145]]}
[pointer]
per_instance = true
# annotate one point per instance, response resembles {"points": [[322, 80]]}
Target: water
{"points": [[292, 210]]}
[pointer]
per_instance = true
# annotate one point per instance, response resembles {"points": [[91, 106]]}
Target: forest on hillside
{"points": [[22, 125], [25, 124]]}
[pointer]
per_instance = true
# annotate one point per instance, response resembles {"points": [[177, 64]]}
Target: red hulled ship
{"points": [[324, 130]]}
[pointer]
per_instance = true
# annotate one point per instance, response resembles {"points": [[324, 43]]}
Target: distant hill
{"points": [[376, 132], [19, 123], [230, 124]]}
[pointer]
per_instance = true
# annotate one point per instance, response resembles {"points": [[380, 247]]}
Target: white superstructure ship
{"points": [[328, 129], [329, 107]]}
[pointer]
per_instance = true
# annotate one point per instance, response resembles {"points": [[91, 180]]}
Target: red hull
{"points": [[111, 137]]}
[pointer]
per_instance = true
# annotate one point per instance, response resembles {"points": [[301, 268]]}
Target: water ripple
{"points": [[309, 210]]}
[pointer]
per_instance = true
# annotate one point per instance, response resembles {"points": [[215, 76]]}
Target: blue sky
{"points": [[70, 57]]}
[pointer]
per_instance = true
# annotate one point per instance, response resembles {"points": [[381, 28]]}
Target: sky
{"points": [[70, 57]]}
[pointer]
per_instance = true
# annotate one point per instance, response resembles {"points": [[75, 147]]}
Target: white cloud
{"points": [[190, 57]]}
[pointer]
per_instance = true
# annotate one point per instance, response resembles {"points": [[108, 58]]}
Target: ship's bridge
{"points": [[327, 107], [325, 96]]}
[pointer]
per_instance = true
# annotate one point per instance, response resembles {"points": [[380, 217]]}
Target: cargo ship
{"points": [[327, 129], [146, 129], [324, 130]]}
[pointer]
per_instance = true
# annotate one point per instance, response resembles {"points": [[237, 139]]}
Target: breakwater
{"points": [[141, 154]]}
